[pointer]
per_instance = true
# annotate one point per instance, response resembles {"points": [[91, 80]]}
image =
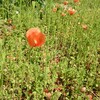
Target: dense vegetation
{"points": [[66, 67]]}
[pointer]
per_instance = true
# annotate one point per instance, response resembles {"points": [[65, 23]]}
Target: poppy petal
{"points": [[35, 37]]}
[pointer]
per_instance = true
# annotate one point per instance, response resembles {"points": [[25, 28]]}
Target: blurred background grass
{"points": [[69, 60]]}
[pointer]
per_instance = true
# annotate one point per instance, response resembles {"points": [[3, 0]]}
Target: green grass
{"points": [[68, 61]]}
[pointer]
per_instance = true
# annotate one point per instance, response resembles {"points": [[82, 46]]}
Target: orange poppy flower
{"points": [[48, 95], [84, 26], [63, 14], [35, 37], [90, 97], [46, 90], [65, 2], [76, 1], [71, 11], [54, 9]]}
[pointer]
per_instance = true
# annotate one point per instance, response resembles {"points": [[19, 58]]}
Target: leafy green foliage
{"points": [[68, 61]]}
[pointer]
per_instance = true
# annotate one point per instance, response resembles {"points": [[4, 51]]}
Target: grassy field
{"points": [[66, 67]]}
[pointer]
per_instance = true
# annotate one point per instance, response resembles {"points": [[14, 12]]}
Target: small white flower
{"points": [[17, 12]]}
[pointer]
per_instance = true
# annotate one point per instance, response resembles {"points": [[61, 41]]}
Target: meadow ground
{"points": [[66, 67]]}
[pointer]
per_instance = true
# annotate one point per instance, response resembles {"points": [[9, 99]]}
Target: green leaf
{"points": [[33, 4]]}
